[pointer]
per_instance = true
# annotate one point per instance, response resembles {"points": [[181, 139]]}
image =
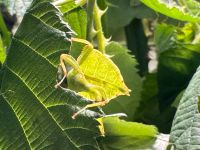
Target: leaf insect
{"points": [[93, 75]]}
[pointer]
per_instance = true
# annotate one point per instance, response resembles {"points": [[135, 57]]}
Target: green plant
{"points": [[36, 115]]}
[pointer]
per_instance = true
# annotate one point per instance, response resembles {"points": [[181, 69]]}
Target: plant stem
{"points": [[4, 31], [98, 26], [90, 9]]}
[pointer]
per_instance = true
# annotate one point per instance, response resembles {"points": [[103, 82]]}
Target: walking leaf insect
{"points": [[93, 75]]}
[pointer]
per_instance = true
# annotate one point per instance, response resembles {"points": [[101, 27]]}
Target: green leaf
{"points": [[77, 20], [66, 6], [33, 114], [171, 9], [163, 37], [127, 65], [185, 130], [127, 135], [125, 13]]}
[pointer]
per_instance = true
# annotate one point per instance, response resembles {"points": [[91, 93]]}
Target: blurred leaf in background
{"points": [[125, 10], [17, 6], [178, 60]]}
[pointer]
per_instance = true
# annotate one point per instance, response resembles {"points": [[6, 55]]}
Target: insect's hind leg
{"points": [[102, 103]]}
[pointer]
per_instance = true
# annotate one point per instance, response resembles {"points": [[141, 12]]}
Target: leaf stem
{"points": [[98, 26], [90, 9]]}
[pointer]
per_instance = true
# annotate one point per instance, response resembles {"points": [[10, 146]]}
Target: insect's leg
{"points": [[101, 110], [82, 41], [68, 60], [89, 106], [65, 75]]}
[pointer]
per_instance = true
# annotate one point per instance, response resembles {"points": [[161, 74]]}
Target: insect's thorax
{"points": [[77, 81]]}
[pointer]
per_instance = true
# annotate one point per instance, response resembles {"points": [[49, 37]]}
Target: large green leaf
{"points": [[33, 114], [172, 9], [122, 135], [185, 131], [127, 65]]}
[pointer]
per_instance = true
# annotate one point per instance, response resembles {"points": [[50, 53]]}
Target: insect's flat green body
{"points": [[77, 80], [93, 75]]}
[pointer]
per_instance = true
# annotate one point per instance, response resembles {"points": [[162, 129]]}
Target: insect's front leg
{"points": [[66, 59]]}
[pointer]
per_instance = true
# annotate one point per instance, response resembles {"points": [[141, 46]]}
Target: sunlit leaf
{"points": [[172, 9], [120, 134]]}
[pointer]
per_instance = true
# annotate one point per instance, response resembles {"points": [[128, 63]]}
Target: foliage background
{"points": [[163, 42]]}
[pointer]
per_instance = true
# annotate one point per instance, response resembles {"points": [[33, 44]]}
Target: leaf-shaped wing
{"points": [[99, 70]]}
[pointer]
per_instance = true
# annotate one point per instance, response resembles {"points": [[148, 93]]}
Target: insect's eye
{"points": [[60, 75]]}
